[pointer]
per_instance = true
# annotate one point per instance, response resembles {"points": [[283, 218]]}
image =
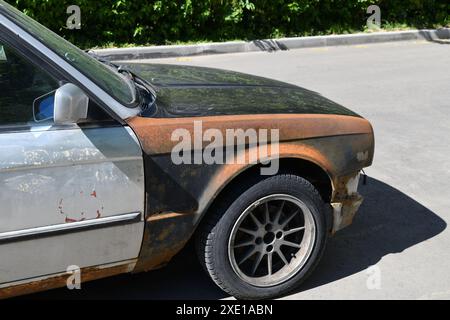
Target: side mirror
{"points": [[71, 104], [43, 107]]}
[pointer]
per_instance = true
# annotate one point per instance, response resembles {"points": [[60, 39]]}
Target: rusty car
{"points": [[88, 179]]}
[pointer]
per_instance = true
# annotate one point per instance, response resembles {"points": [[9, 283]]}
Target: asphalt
{"points": [[397, 247]]}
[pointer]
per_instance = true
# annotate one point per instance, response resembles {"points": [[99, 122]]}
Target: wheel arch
{"points": [[303, 167]]}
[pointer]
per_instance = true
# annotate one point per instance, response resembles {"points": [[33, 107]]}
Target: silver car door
{"points": [[69, 195]]}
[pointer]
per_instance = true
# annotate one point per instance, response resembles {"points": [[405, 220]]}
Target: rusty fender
{"points": [[60, 280], [165, 235], [177, 196], [345, 201], [155, 133]]}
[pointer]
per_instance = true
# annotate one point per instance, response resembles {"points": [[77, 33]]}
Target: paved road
{"points": [[404, 90]]}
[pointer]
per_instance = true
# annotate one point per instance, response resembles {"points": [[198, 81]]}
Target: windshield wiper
{"points": [[120, 68], [147, 102], [150, 92], [138, 79]]}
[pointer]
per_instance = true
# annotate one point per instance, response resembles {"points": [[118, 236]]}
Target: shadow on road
{"points": [[388, 222], [442, 36], [270, 45]]}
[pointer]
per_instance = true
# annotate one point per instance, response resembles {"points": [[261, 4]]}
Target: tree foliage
{"points": [[168, 21]]}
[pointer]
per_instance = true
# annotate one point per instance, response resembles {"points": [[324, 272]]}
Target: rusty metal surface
{"points": [[165, 235], [155, 134], [340, 145], [60, 280], [345, 200], [345, 211]]}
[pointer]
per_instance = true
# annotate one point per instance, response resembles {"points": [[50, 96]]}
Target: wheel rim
{"points": [[272, 240]]}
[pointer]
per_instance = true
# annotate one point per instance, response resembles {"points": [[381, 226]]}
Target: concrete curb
{"points": [[439, 35]]}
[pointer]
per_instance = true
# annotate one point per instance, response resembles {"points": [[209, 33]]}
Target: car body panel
{"points": [[55, 178], [68, 176], [184, 91], [60, 280], [340, 145]]}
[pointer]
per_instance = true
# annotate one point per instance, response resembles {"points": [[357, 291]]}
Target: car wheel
{"points": [[267, 240]]}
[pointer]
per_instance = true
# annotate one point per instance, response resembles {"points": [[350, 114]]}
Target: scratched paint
{"points": [[84, 174], [66, 176]]}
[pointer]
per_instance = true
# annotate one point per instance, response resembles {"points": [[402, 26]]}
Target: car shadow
{"points": [[388, 222]]}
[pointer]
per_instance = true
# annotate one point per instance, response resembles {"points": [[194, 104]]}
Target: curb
{"points": [[439, 36]]}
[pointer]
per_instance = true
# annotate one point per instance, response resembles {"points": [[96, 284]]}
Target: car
{"points": [[110, 168]]}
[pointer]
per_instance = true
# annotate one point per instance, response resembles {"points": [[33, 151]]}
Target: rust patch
{"points": [[338, 144], [340, 187], [228, 172], [70, 220], [345, 211], [155, 133], [345, 201], [87, 274], [165, 235]]}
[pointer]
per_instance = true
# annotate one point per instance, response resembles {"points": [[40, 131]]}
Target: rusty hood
{"points": [[186, 91]]}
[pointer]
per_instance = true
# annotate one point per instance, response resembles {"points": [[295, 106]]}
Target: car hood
{"points": [[186, 91]]}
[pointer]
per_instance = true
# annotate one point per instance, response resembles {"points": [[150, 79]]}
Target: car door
{"points": [[70, 195]]}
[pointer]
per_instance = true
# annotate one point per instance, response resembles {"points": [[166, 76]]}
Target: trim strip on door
{"points": [[42, 232]]}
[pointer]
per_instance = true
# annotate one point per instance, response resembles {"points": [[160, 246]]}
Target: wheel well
{"points": [[311, 172], [300, 167]]}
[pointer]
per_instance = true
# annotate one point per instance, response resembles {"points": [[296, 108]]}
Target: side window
{"points": [[21, 84]]}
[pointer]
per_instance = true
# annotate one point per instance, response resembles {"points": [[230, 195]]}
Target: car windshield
{"points": [[116, 84]]}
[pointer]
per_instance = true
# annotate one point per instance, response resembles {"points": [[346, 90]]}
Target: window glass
{"points": [[21, 84], [110, 80]]}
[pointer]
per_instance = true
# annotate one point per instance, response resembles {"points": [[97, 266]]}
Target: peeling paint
{"points": [[60, 280], [61, 177], [345, 201], [165, 235], [28, 183]]}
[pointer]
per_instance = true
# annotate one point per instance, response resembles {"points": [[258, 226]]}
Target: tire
{"points": [[226, 260]]}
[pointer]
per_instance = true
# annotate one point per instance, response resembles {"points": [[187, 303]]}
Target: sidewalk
{"points": [[270, 45]]}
